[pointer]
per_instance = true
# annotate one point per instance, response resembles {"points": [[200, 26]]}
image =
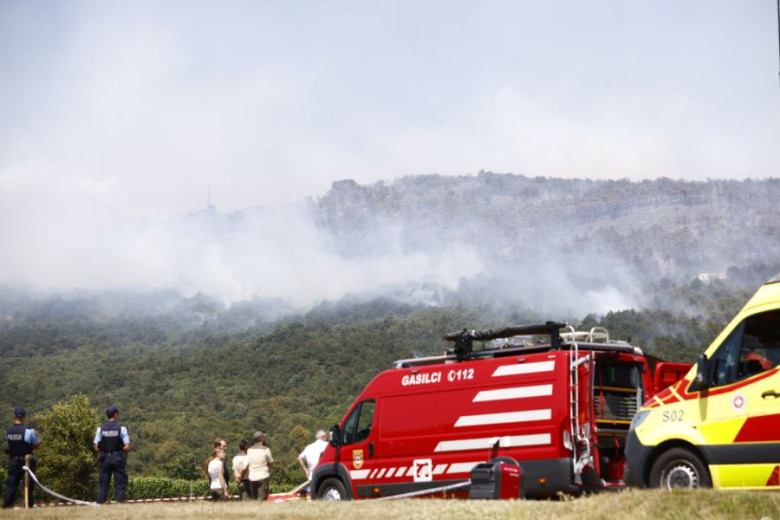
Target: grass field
{"points": [[634, 505]]}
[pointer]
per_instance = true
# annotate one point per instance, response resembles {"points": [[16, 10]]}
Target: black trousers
{"points": [[243, 489], [114, 463], [16, 480], [258, 489]]}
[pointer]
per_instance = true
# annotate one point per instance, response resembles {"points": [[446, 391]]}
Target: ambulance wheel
{"points": [[332, 489], [679, 468]]}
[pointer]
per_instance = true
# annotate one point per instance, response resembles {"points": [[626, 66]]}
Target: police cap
{"points": [[112, 410], [19, 412]]}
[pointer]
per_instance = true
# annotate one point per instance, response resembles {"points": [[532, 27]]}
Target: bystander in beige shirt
{"points": [[260, 460]]}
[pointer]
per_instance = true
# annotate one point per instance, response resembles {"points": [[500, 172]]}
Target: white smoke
{"points": [[256, 253], [63, 235]]}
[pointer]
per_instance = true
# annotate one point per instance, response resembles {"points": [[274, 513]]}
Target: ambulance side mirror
{"points": [[702, 373], [335, 436]]}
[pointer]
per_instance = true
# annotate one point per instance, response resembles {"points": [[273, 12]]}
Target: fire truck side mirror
{"points": [[702, 372], [335, 436]]}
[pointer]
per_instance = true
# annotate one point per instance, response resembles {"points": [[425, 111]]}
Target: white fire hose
{"points": [[52, 493]]}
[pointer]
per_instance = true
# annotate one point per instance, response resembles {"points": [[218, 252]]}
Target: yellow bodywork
{"points": [[736, 418]]}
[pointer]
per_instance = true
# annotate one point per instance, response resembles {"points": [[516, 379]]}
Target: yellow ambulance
{"points": [[719, 426]]}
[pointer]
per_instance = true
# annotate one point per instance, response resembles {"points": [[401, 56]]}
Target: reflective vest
{"points": [[15, 437], [110, 437]]}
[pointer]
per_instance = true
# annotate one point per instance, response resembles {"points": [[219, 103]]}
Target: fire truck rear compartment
{"points": [[618, 394]]}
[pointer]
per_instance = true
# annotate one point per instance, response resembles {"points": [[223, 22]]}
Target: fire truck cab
{"points": [[559, 410]]}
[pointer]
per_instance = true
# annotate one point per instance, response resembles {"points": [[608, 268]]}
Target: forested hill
{"points": [[584, 234]]}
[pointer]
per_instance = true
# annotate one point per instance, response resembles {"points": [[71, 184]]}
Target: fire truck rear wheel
{"points": [[679, 468], [332, 489]]}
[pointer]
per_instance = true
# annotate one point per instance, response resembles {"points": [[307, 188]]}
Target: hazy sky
{"points": [[113, 110]]}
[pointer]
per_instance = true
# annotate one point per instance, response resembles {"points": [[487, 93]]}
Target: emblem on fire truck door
{"points": [[357, 459], [423, 470]]}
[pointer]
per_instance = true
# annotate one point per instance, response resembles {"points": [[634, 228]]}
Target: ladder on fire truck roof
{"points": [[594, 335]]}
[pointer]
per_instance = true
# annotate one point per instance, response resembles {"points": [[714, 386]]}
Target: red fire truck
{"points": [[553, 403]]}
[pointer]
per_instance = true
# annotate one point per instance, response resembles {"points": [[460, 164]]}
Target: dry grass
{"points": [[633, 505]]}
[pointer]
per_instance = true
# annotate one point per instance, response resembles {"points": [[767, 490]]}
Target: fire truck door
{"points": [[357, 441]]}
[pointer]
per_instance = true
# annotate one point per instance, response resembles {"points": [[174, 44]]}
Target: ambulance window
{"points": [[753, 347], [724, 360], [760, 344], [357, 427]]}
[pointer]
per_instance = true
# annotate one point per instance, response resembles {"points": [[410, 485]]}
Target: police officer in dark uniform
{"points": [[22, 440], [112, 442]]}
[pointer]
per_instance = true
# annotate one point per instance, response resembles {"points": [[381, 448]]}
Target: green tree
{"points": [[66, 460], [184, 467], [300, 436]]}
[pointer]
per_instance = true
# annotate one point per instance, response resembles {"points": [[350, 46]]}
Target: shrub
{"points": [[164, 487], [66, 461]]}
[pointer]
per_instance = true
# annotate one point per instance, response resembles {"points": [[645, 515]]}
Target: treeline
{"points": [[179, 382]]}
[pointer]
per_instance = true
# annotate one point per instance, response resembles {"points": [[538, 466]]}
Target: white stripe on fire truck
{"points": [[504, 418], [526, 368], [489, 442], [378, 473], [514, 393], [358, 474], [462, 467]]}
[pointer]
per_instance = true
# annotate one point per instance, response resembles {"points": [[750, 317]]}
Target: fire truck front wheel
{"points": [[679, 468], [332, 489]]}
